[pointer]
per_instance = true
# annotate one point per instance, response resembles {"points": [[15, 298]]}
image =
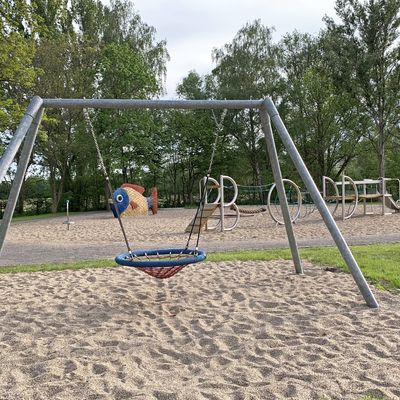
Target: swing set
{"points": [[163, 263]]}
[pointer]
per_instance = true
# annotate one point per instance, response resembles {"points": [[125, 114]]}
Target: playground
{"points": [[236, 328], [185, 216]]}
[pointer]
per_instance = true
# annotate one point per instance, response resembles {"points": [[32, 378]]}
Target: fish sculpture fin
{"points": [[138, 188], [133, 205]]}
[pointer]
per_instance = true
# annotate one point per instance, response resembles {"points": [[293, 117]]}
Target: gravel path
{"points": [[97, 236]]}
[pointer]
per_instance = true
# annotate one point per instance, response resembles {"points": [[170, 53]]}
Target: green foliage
{"points": [[323, 119], [337, 93], [37, 187], [186, 146], [111, 54], [17, 74], [248, 68], [55, 17], [365, 51], [124, 73], [89, 16], [193, 87]]}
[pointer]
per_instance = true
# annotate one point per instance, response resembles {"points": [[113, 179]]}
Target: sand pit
{"points": [[233, 330]]}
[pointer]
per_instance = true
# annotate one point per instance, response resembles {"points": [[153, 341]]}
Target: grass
{"points": [[379, 262], [372, 397], [56, 267], [46, 216], [39, 216], [367, 397]]}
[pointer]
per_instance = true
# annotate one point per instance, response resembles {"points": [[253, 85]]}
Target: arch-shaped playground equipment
{"points": [[28, 128], [215, 215], [220, 203], [337, 194], [340, 199], [273, 202]]}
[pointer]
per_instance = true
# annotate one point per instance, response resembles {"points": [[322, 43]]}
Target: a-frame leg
{"points": [[276, 170], [320, 204], [19, 135], [19, 176]]}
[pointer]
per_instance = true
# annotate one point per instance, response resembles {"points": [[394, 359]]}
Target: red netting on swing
{"points": [[162, 272]]}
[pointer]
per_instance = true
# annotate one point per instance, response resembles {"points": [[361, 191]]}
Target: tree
{"points": [[98, 55], [365, 48], [126, 135], [17, 75], [186, 142], [325, 122], [17, 49], [70, 72], [248, 68], [123, 25], [131, 65]]}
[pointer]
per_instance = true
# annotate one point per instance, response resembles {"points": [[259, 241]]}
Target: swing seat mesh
{"points": [[160, 264]]}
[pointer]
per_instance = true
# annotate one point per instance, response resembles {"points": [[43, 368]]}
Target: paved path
{"points": [[14, 254]]}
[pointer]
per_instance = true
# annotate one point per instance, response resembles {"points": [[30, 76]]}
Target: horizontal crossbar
{"points": [[152, 104]]}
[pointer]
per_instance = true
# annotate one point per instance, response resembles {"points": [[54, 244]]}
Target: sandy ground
{"points": [[232, 330], [215, 331]]}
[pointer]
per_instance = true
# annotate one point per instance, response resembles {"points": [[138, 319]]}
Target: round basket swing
{"points": [[160, 263]]}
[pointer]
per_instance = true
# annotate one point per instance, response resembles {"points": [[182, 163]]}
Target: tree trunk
{"points": [[56, 196], [381, 154], [56, 189], [21, 198], [108, 195]]}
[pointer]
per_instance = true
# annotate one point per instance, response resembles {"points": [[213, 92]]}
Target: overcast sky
{"points": [[193, 28]]}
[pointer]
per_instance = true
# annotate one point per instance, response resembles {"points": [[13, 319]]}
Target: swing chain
{"points": [[219, 125], [101, 161]]}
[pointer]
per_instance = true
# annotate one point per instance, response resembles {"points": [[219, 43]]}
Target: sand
{"points": [[231, 330]]}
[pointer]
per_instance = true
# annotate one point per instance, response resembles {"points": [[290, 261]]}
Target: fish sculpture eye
{"points": [[119, 198]]}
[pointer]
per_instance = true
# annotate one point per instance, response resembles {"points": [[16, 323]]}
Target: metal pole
{"points": [[343, 197], [222, 202], [68, 222], [276, 170], [19, 176], [320, 204], [364, 185], [67, 214], [383, 195], [152, 104], [19, 135]]}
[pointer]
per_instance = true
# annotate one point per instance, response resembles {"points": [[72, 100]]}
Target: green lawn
{"points": [[39, 216], [368, 397], [42, 216], [380, 263]]}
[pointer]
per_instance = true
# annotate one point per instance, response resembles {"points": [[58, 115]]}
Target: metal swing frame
{"points": [[28, 128]]}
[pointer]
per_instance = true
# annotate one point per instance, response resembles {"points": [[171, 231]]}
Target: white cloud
{"points": [[193, 28]]}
